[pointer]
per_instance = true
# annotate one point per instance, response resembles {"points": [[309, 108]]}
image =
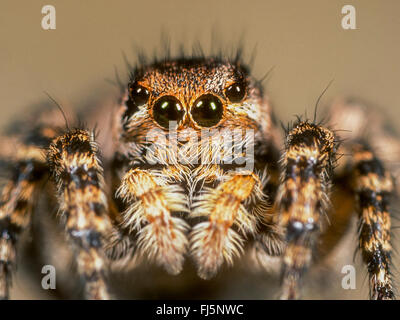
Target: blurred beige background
{"points": [[303, 40]]}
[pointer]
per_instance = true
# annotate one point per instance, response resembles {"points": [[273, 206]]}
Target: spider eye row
{"points": [[207, 110]]}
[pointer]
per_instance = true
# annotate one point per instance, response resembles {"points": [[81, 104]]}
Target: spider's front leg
{"points": [[152, 200], [216, 241], [17, 200], [302, 197], [374, 187], [370, 173], [73, 162]]}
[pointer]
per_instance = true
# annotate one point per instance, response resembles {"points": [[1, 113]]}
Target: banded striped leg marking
{"points": [[373, 187], [17, 200], [215, 241], [302, 198], [151, 202], [79, 180]]}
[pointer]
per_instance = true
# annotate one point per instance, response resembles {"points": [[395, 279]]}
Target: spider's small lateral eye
{"points": [[235, 93], [207, 110], [167, 109], [138, 95]]}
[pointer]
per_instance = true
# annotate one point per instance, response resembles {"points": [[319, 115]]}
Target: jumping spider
{"points": [[166, 201]]}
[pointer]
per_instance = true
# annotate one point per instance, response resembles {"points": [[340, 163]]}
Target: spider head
{"points": [[194, 95], [198, 93]]}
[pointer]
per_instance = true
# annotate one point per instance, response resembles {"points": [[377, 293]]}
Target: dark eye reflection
{"points": [[207, 110], [138, 96], [167, 109], [235, 93]]}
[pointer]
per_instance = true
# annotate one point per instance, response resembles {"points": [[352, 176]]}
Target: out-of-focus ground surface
{"points": [[302, 40]]}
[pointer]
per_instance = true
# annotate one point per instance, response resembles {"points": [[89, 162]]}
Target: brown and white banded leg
{"points": [[373, 186], [17, 200], [151, 202], [215, 241], [372, 166], [79, 180], [302, 198]]}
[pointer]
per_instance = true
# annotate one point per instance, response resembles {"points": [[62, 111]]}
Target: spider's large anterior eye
{"points": [[207, 110], [139, 95], [167, 109], [235, 93]]}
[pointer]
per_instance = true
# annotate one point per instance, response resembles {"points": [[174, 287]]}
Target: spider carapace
{"points": [[198, 170]]}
